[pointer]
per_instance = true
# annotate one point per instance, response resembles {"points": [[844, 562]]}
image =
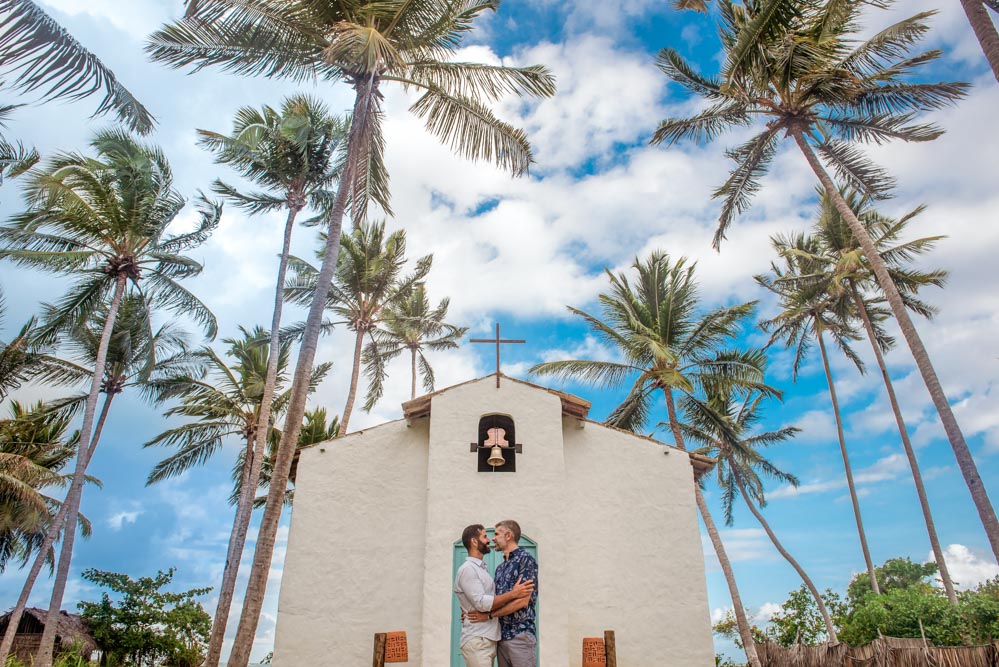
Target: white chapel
{"points": [[609, 515]]}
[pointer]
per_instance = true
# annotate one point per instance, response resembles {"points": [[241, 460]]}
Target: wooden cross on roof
{"points": [[497, 341]]}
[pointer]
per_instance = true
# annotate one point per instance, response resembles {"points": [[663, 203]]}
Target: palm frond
{"points": [[753, 160], [477, 80], [854, 168], [703, 126], [676, 68], [45, 57], [598, 373], [471, 130], [772, 19], [263, 38]]}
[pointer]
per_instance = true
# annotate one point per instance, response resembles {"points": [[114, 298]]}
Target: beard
{"points": [[484, 548]]}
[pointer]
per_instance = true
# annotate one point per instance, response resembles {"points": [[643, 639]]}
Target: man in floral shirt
{"points": [[518, 626]]}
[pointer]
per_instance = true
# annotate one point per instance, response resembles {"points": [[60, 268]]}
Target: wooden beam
{"points": [[379, 660], [610, 648]]}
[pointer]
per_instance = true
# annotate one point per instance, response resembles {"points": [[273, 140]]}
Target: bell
{"points": [[496, 457]]}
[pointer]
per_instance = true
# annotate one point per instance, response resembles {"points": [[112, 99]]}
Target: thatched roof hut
{"points": [[70, 629]]}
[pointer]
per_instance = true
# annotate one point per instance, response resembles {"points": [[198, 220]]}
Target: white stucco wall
{"points": [[641, 572], [354, 548], [376, 516]]}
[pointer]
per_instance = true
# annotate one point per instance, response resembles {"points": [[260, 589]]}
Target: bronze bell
{"points": [[496, 457]]}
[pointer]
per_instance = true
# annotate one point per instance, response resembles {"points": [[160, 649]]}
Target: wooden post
{"points": [[379, 650], [610, 648]]}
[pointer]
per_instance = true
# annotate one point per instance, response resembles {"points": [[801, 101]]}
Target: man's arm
{"points": [[473, 588], [505, 610], [530, 573], [522, 589]]}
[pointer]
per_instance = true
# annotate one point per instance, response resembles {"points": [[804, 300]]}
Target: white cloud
{"points": [[967, 568], [118, 519], [589, 348], [766, 611], [884, 469], [606, 96], [135, 19], [741, 544], [719, 613]]}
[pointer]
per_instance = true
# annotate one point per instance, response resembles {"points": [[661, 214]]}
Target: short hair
{"points": [[512, 526], [470, 533]]}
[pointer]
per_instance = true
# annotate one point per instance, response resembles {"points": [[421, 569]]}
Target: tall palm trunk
{"points": [[412, 351], [257, 585], [740, 613], [46, 645], [826, 618], [75, 493], [986, 512], [910, 454], [985, 31], [255, 452], [355, 376], [846, 462], [674, 423]]}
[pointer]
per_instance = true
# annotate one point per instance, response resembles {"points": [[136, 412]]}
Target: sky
{"points": [[518, 251]]}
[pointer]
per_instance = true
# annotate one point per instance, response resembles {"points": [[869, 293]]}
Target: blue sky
{"points": [[519, 251]]}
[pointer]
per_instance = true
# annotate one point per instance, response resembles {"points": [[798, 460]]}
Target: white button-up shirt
{"points": [[475, 590]]}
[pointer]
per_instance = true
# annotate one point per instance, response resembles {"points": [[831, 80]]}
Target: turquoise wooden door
{"points": [[493, 559]]}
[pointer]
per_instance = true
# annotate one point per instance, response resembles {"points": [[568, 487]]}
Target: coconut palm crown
{"points": [[221, 400], [793, 65], [364, 44], [102, 218], [665, 343], [409, 324], [295, 153]]}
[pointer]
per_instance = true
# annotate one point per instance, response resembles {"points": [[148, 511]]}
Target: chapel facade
{"points": [[610, 516]]}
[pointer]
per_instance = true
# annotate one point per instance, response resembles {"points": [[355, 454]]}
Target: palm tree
{"points": [[984, 27], [103, 220], [368, 279], [792, 63], [408, 323], [316, 428], [665, 345], [295, 155], [34, 448], [221, 399], [43, 56], [364, 44], [133, 354], [224, 400], [809, 312], [849, 273], [722, 423]]}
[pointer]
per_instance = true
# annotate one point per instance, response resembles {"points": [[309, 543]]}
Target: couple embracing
{"points": [[498, 617]]}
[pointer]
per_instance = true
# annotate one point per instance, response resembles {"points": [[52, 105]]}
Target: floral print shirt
{"points": [[518, 565]]}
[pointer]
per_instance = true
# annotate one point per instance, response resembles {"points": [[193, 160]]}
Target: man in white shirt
{"points": [[476, 592]]}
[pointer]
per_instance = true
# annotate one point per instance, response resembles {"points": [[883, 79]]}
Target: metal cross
{"points": [[497, 341]]}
